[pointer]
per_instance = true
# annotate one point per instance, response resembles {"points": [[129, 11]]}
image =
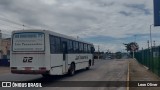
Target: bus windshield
{"points": [[28, 41]]}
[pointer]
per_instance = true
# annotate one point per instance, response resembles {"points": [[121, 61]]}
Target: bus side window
{"points": [[84, 48], [52, 44], [89, 49], [70, 46], [81, 47], [77, 47], [57, 44], [74, 46]]}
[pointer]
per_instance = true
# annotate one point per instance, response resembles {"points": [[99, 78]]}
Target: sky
{"points": [[107, 23]]}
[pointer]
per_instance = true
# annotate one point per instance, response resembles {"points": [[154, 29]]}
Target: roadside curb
{"points": [[142, 65], [4, 70], [146, 67]]}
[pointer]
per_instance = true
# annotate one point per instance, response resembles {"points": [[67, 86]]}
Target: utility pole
{"points": [[151, 35]]}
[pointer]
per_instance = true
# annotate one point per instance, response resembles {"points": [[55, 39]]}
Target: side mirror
{"points": [[92, 49]]}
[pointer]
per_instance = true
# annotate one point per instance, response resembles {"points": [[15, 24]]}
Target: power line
{"points": [[22, 25], [7, 20], [9, 26], [5, 28], [13, 22]]}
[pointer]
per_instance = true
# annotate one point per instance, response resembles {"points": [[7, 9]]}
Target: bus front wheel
{"points": [[89, 64], [72, 69]]}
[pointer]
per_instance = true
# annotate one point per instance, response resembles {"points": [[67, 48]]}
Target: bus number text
{"points": [[27, 59]]}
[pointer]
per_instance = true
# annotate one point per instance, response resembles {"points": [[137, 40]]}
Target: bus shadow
{"points": [[49, 81]]}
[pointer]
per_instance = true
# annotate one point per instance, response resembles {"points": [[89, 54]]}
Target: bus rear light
{"points": [[42, 68], [14, 68]]}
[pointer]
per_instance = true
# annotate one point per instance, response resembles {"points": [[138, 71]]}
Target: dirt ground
{"points": [[4, 70], [139, 73]]}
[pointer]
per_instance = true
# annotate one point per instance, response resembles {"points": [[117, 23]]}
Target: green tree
{"points": [[133, 46], [118, 55]]}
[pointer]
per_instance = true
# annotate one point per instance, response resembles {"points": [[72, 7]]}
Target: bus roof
{"points": [[52, 33]]}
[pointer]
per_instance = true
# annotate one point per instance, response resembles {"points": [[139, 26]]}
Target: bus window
{"points": [[74, 46], [85, 48], [89, 49], [81, 47], [77, 47], [52, 46], [55, 45], [70, 46]]}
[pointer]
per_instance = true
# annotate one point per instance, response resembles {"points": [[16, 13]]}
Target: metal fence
{"points": [[150, 58]]}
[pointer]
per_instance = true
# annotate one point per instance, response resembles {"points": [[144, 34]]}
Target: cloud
{"points": [[125, 13], [139, 8], [94, 20]]}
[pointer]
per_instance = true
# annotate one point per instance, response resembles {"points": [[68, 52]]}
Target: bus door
{"points": [[65, 60]]}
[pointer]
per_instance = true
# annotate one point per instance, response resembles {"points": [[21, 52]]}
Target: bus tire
{"points": [[87, 68], [46, 75], [89, 65], [72, 69]]}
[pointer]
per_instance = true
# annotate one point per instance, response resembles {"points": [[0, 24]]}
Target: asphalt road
{"points": [[103, 70]]}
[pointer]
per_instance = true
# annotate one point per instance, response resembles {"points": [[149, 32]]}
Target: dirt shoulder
{"points": [[4, 70], [139, 73]]}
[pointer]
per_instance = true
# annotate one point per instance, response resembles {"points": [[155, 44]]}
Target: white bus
{"points": [[48, 53]]}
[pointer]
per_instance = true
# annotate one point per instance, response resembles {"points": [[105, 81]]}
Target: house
{"points": [[4, 47]]}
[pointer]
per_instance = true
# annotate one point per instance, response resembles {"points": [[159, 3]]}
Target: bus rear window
{"points": [[28, 41]]}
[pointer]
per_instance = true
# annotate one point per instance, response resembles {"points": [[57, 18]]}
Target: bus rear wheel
{"points": [[87, 68], [46, 75], [72, 70]]}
